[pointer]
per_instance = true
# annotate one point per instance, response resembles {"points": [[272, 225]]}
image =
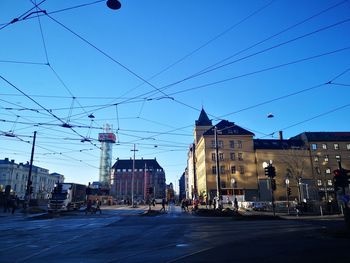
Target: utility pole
{"points": [[218, 187], [29, 182], [132, 178], [194, 171]]}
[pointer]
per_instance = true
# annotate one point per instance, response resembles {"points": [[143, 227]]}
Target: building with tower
{"points": [[148, 180]]}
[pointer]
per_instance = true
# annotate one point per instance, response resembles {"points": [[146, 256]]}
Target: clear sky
{"points": [[148, 68]]}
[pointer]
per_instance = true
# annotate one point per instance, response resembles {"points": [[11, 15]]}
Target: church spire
{"points": [[203, 119]]}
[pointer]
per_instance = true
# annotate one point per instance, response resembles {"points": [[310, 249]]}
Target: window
{"points": [[314, 146], [326, 158], [240, 156], [222, 169], [241, 169], [324, 146], [316, 159], [233, 169], [318, 171], [328, 171], [232, 144], [239, 144], [213, 155], [232, 156], [319, 182], [213, 144], [220, 144], [329, 182], [213, 169], [221, 156], [336, 146]]}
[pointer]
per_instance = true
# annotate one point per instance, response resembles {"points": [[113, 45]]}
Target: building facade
{"points": [[16, 175], [147, 174], [306, 160]]}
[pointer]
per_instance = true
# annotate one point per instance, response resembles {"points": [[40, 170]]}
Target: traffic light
{"points": [[266, 169], [270, 171], [340, 179], [289, 191], [273, 184]]}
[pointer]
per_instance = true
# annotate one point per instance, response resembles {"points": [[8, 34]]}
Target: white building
{"points": [[16, 175]]}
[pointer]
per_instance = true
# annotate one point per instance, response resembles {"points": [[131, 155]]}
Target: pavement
{"points": [[170, 210]]}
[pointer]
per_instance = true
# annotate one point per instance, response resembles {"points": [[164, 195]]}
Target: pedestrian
{"points": [[14, 203], [88, 206], [210, 203], [163, 205], [183, 204], [98, 208], [235, 204], [187, 203], [154, 202]]}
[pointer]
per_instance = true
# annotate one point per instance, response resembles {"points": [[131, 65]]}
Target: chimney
{"points": [[280, 135]]}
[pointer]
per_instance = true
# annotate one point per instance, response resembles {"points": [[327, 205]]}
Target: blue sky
{"points": [[148, 68]]}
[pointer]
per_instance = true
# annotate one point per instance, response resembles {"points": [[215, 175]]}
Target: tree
{"points": [[295, 162]]}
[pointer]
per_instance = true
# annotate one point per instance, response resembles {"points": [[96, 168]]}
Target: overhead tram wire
{"points": [[254, 54], [255, 12], [37, 103], [105, 54], [262, 70], [117, 62], [276, 34], [53, 12], [314, 117], [19, 17], [260, 42], [49, 64]]}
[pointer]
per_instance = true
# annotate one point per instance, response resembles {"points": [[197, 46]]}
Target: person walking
{"points": [[163, 206], [235, 204]]}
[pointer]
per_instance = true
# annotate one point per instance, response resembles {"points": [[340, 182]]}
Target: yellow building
{"points": [[307, 161], [237, 169]]}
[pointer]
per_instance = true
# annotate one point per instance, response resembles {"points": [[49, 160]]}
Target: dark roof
{"points": [[228, 128], [323, 136], [139, 164], [277, 144], [203, 119]]}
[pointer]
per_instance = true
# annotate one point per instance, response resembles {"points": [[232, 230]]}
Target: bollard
{"points": [[321, 210]]}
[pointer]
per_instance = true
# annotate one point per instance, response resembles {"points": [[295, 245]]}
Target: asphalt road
{"points": [[123, 235]]}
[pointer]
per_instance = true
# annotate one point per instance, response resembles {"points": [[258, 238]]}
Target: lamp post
{"points": [[29, 182], [287, 193], [218, 186], [132, 178]]}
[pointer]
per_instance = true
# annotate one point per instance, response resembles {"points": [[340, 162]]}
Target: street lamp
{"points": [[287, 193], [132, 178], [114, 4], [218, 186]]}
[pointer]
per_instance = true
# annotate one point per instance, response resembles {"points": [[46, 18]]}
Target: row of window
{"points": [[329, 182], [233, 169], [326, 158], [324, 146], [138, 170], [326, 171], [232, 157], [232, 144]]}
